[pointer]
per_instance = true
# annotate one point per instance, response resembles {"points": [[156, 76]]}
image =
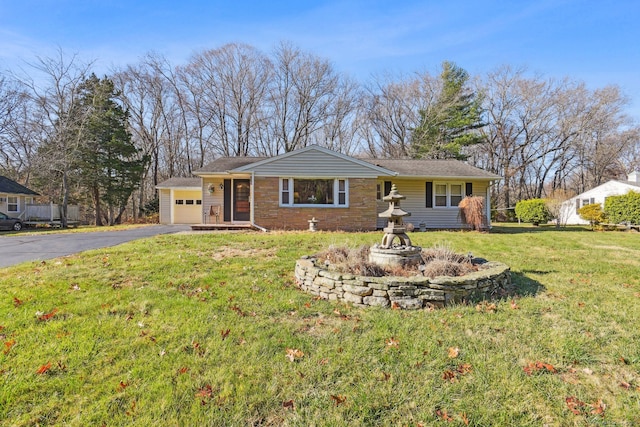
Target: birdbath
{"points": [[389, 253]]}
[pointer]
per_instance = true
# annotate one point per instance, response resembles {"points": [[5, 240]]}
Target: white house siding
{"points": [[595, 195], [315, 164], [165, 206], [415, 203]]}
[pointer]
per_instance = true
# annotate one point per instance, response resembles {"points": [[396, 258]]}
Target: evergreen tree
{"points": [[447, 126], [110, 164]]}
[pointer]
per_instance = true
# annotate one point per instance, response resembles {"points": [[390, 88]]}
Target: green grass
{"points": [[194, 330]]}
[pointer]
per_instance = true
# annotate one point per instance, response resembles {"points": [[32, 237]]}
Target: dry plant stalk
{"points": [[437, 261]]}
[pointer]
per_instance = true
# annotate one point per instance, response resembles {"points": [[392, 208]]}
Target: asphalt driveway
{"points": [[17, 248]]}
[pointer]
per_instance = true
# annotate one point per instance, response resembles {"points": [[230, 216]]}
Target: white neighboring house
{"points": [[598, 195], [14, 197]]}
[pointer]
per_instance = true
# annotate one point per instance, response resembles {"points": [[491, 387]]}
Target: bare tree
{"points": [[391, 109], [55, 96], [227, 88], [304, 90]]}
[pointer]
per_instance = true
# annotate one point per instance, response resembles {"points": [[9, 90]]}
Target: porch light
{"points": [[221, 186], [210, 188]]}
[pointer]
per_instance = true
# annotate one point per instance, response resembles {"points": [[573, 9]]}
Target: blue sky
{"points": [[597, 42]]}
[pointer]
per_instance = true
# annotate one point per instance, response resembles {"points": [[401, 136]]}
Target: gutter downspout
{"points": [[251, 214]]}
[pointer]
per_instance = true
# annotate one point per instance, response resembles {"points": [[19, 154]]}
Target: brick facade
{"points": [[360, 215]]}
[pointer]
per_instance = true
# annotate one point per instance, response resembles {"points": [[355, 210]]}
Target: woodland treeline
{"points": [[67, 133]]}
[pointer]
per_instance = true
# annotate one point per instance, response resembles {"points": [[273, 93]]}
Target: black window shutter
{"points": [[387, 188], [227, 200], [429, 195], [468, 189]]}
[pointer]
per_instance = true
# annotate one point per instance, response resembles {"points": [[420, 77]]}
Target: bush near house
{"points": [[534, 211], [592, 213], [623, 209]]}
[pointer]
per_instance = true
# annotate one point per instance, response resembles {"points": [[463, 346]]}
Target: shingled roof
{"points": [[225, 164], [9, 186], [180, 183], [432, 168]]}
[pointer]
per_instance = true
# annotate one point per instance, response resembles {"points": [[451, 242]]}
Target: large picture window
{"points": [[314, 192]]}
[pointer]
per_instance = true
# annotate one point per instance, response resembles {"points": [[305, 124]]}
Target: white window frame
{"points": [[13, 201], [291, 187], [448, 185]]}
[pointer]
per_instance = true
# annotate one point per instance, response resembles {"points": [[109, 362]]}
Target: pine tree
{"points": [[110, 164], [448, 126]]}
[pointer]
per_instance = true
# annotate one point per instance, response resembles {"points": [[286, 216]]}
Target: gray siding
{"points": [[415, 204], [315, 164]]}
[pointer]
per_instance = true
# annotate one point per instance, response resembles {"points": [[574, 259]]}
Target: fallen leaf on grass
{"points": [[122, 386], [392, 342], [452, 375], [442, 414], [47, 316], [579, 407], [514, 305], [293, 354], [8, 345], [17, 302], [598, 408], [453, 352], [44, 368], [539, 367], [224, 333], [385, 376], [288, 404], [574, 404], [338, 399], [183, 370], [486, 307]]}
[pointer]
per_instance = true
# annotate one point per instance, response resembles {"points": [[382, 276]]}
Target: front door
{"points": [[241, 200]]}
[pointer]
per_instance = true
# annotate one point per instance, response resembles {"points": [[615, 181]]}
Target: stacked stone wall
{"points": [[410, 293]]}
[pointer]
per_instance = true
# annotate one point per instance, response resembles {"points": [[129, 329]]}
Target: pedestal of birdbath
{"points": [[390, 252]]}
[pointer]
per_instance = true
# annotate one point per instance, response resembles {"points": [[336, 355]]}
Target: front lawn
{"points": [[210, 330]]}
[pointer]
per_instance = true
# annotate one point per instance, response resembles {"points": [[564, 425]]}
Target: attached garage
{"points": [[180, 201]]}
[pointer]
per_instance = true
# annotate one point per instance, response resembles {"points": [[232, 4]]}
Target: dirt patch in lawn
{"points": [[224, 252]]}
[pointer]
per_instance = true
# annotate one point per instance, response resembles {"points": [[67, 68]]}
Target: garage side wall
{"points": [[165, 206]]}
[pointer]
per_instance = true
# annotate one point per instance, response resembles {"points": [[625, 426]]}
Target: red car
{"points": [[9, 223]]}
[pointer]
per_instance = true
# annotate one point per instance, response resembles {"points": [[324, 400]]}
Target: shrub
{"points": [[533, 210], [472, 212], [623, 209], [592, 213]]}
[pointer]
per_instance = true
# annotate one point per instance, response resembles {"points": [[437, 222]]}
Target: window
{"points": [[441, 195], [198, 202], [456, 194], [586, 202], [189, 201], [444, 195], [314, 192], [285, 192], [378, 191], [342, 192], [179, 202], [12, 204]]}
